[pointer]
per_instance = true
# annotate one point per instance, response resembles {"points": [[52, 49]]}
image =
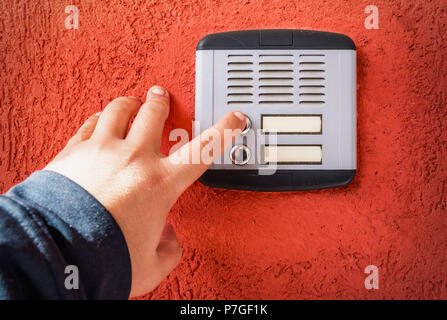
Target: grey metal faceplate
{"points": [[338, 111]]}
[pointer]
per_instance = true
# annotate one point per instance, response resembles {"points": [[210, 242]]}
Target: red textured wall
{"points": [[245, 244]]}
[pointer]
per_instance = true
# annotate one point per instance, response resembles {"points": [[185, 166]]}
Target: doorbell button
{"points": [[247, 126], [240, 155]]}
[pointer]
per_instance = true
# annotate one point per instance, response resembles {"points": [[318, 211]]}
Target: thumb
{"points": [[169, 250], [85, 131]]}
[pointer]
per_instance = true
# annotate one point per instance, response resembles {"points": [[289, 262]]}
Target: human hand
{"points": [[124, 170]]}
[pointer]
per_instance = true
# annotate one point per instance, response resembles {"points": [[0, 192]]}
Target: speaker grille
{"points": [[312, 79], [240, 79], [276, 79]]}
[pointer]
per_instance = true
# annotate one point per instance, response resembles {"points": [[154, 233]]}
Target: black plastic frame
{"points": [[276, 39], [282, 180]]}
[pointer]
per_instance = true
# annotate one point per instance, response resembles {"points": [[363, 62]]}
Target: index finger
{"points": [[189, 162]]}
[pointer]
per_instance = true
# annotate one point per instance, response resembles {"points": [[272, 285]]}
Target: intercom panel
{"points": [[297, 89]]}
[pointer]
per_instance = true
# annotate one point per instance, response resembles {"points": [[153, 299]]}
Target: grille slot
{"points": [[276, 79], [312, 79], [275, 55], [240, 79], [275, 73]]}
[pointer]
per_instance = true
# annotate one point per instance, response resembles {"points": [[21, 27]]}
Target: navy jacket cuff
{"points": [[84, 231]]}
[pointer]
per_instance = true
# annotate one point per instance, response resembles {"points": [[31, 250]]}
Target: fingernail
{"points": [[239, 115], [97, 114], [158, 91]]}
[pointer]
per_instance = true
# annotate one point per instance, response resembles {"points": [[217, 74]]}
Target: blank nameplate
{"points": [[293, 154], [291, 124]]}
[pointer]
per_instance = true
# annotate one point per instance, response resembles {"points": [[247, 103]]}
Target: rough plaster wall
{"points": [[243, 244]]}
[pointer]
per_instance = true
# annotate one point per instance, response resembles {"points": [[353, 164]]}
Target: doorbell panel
{"points": [[297, 89]]}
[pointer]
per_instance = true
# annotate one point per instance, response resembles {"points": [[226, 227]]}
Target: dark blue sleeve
{"points": [[47, 223]]}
